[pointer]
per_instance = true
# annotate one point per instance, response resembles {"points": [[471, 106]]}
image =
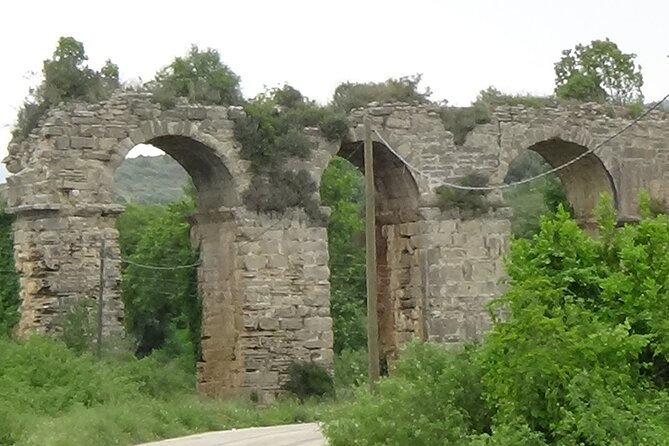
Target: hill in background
{"points": [[149, 180]]}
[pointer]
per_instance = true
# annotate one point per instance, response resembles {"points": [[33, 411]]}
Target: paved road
{"points": [[290, 435]]}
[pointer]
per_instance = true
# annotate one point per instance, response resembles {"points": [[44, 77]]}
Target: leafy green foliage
{"points": [[598, 72], [308, 379], [158, 315], [580, 356], [462, 120], [469, 200], [272, 131], [349, 96], [532, 200], [350, 369], [279, 190], [342, 190], [434, 397], [491, 96], [9, 280], [200, 77], [51, 396], [66, 77], [79, 326]]}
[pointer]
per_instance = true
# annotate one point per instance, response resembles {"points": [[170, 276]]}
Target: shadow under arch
{"points": [[397, 202], [584, 180]]}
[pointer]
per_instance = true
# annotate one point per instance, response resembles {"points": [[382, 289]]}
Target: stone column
{"points": [[58, 257], [220, 370], [283, 272]]}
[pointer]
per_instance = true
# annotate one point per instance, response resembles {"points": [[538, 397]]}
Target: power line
{"points": [[160, 267], [536, 177]]}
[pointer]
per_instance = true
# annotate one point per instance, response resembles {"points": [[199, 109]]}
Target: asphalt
{"points": [[290, 435]]}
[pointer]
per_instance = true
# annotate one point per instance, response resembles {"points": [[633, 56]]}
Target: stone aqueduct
{"points": [[264, 279]]}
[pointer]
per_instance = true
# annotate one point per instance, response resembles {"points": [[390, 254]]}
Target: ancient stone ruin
{"points": [[264, 278]]}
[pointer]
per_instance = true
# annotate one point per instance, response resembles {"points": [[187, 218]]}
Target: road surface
{"points": [[290, 435]]}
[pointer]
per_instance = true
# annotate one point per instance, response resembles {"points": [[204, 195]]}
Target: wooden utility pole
{"points": [[101, 293], [370, 238]]}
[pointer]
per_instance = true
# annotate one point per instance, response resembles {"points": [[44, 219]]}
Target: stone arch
{"points": [[216, 171], [397, 204], [215, 168], [584, 181]]}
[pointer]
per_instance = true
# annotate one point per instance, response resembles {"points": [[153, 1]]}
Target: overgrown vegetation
{"points": [[349, 96], [532, 200], [462, 120], [65, 77], [9, 280], [467, 200], [162, 307], [51, 396], [309, 380], [200, 77], [342, 190], [271, 132], [581, 357]]}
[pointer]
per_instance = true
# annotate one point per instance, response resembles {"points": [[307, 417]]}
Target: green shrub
{"points": [[349, 96], [66, 77], [200, 77], [350, 368], [580, 357], [462, 120], [79, 325], [434, 396], [634, 110], [9, 279], [308, 379], [469, 200], [272, 131], [280, 190]]}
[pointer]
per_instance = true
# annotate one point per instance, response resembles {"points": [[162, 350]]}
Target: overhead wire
{"points": [[532, 178]]}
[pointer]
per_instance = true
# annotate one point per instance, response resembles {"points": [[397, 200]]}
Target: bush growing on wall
{"points": [[65, 77], [349, 95], [200, 77], [271, 132], [468, 200]]}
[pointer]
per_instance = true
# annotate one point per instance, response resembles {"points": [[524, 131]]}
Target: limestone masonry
{"points": [[264, 279]]}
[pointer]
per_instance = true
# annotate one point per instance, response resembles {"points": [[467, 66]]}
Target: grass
{"points": [[52, 396], [119, 423]]}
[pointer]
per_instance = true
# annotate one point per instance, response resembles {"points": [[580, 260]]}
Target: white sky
{"points": [[460, 46]]}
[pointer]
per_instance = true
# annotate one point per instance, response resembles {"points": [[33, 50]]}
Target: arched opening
{"points": [[396, 204], [578, 186], [175, 238]]}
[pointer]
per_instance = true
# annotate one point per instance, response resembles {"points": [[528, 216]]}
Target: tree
{"points": [[162, 307], [201, 77], [65, 77], [9, 282], [598, 72], [579, 358], [342, 190]]}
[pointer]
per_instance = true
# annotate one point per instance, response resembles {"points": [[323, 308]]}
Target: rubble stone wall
{"points": [[264, 279]]}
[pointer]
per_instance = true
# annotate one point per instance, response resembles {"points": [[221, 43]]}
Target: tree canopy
{"points": [[201, 77], [598, 72]]}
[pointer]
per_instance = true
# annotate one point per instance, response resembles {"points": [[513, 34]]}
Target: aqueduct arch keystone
{"points": [[264, 278]]}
